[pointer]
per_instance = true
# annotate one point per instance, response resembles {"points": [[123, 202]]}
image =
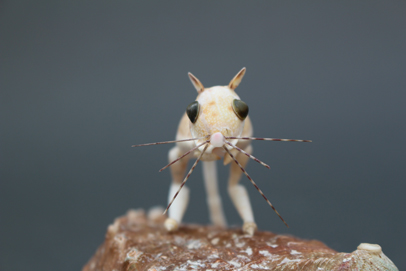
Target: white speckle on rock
{"points": [[248, 251], [259, 266], [133, 255], [240, 244], [157, 268], [271, 245], [295, 252], [196, 264], [214, 265], [347, 260], [265, 253], [194, 244], [234, 263], [215, 241]]}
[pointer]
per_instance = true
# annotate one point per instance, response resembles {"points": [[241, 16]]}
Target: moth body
{"points": [[215, 126]]}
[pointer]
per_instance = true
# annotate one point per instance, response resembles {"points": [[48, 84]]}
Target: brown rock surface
{"points": [[137, 242]]}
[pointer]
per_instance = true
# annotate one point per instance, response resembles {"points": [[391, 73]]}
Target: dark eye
{"points": [[192, 111], [240, 108]]}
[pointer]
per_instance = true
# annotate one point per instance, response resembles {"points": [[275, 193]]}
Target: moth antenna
{"points": [[267, 139], [249, 155], [167, 142], [183, 155], [256, 186], [187, 177]]}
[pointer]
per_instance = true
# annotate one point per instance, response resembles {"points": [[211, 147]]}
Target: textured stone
{"points": [[139, 242]]}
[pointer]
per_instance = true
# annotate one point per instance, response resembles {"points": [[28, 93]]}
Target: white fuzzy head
{"points": [[215, 112]]}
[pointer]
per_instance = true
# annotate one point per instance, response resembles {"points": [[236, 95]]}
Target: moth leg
{"points": [[178, 208], [213, 198], [239, 195]]}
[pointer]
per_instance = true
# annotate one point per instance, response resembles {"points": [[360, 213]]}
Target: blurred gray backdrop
{"points": [[82, 81]]}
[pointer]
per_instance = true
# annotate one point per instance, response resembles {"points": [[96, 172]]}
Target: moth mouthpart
{"points": [[217, 140]]}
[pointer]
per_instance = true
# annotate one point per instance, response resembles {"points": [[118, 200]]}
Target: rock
{"points": [[139, 242]]}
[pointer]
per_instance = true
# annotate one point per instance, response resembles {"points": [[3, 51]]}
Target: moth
{"points": [[215, 126]]}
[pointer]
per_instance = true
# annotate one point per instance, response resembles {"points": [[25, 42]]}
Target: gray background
{"points": [[83, 81]]}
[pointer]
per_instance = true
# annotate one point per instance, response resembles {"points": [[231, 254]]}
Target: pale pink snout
{"points": [[217, 140]]}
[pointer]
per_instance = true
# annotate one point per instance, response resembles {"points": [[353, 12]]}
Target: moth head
{"points": [[217, 109]]}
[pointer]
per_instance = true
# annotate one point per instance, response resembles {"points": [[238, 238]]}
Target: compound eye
{"points": [[192, 111], [240, 109]]}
